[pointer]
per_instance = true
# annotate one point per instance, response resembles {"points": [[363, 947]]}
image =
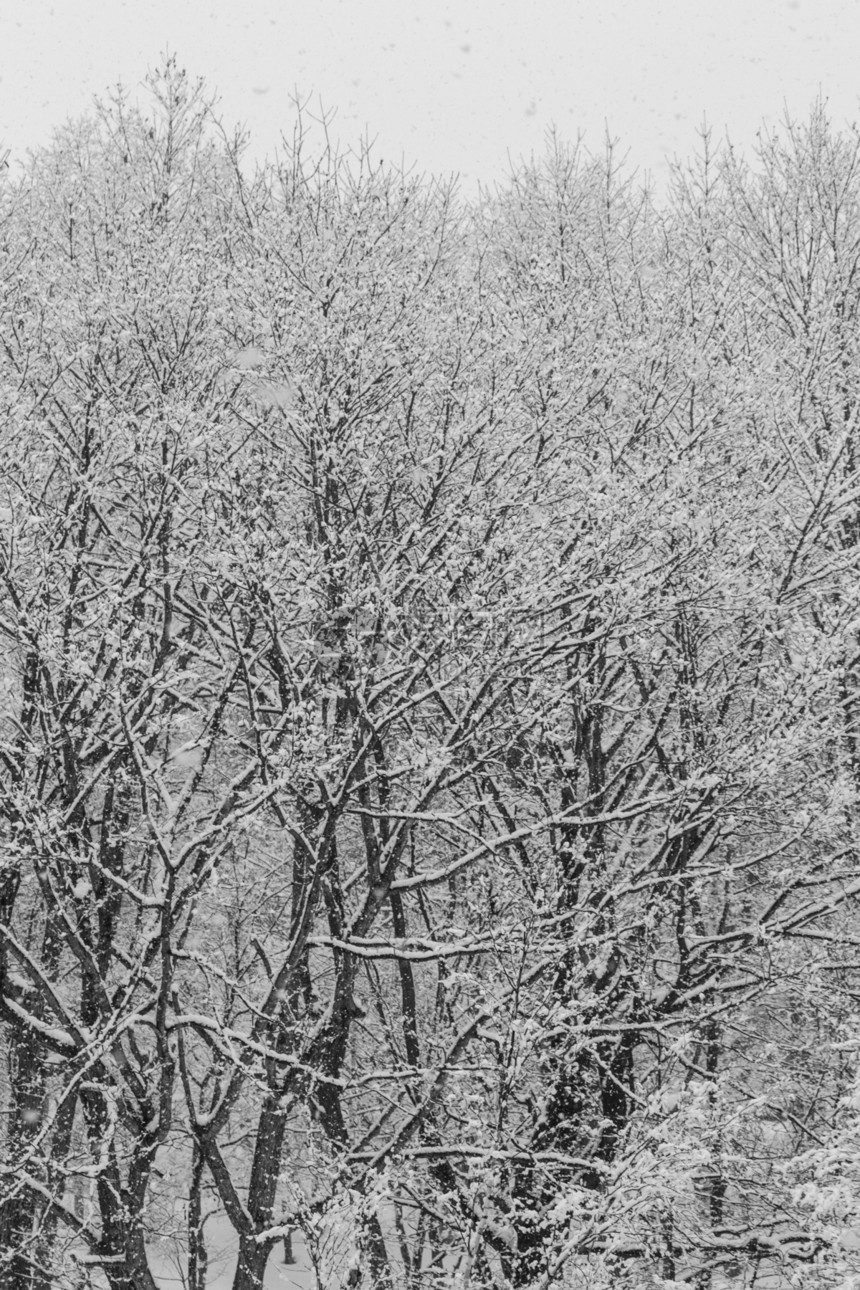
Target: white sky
{"points": [[447, 86]]}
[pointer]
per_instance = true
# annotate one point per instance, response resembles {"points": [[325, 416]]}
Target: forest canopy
{"points": [[429, 715]]}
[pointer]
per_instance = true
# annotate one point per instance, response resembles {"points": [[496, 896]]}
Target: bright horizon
{"points": [[448, 88]]}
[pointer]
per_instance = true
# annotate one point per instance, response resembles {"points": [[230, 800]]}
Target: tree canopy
{"points": [[429, 714]]}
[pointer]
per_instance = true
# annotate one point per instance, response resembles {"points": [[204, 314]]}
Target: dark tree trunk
{"points": [[23, 1236]]}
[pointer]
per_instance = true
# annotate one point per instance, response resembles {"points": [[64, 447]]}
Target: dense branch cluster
{"points": [[429, 715]]}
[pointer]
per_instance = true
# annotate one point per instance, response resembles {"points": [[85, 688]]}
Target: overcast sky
{"points": [[450, 87]]}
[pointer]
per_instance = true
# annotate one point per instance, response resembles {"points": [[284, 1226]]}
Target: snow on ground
{"points": [[221, 1247]]}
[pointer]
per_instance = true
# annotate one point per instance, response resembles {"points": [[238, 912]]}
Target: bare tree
{"points": [[427, 758]]}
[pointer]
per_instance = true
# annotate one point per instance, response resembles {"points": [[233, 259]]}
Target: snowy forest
{"points": [[429, 715]]}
